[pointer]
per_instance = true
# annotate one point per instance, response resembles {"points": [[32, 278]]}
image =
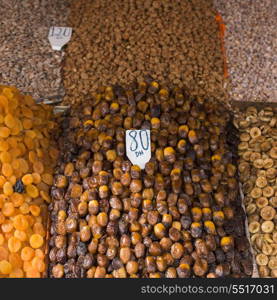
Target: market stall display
{"points": [[179, 217], [155, 167]]}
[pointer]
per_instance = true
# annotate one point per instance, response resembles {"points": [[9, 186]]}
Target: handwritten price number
{"points": [[59, 32], [138, 146], [135, 144]]}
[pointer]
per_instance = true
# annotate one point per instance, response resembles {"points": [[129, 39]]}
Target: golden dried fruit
{"points": [[267, 226], [255, 132], [244, 137], [268, 192], [261, 182], [268, 163], [256, 192], [272, 264], [267, 249], [261, 202], [262, 259], [254, 227], [258, 163], [273, 153]]}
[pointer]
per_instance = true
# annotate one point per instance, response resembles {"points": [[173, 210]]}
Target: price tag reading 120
{"points": [[59, 36], [138, 146]]}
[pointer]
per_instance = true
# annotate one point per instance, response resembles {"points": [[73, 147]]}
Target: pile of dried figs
{"points": [[258, 174]]}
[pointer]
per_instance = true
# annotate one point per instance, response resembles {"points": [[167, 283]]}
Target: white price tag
{"points": [[138, 146], [59, 36]]}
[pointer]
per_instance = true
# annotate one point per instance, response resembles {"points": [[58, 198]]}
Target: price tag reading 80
{"points": [[59, 36], [138, 146]]}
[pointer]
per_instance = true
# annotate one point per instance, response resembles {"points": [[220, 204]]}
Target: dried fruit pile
{"points": [[179, 217], [258, 173], [120, 41], [27, 159]]}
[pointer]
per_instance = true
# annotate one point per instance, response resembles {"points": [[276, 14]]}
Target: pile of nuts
{"points": [[120, 41], [258, 174], [181, 216], [250, 43], [27, 60], [27, 161]]}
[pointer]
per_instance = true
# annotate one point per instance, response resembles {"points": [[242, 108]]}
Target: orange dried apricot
{"points": [[35, 210], [8, 209], [10, 121], [22, 148], [45, 196], [29, 143], [14, 244], [4, 145], [7, 170], [44, 143], [36, 178], [40, 152], [24, 166], [7, 188], [5, 157], [2, 239], [27, 265], [7, 226], [17, 199], [32, 156], [12, 180], [39, 253], [31, 273], [4, 132], [2, 218], [39, 229], [5, 267], [36, 240], [31, 134], [15, 153], [38, 264], [24, 208], [27, 123], [4, 253], [20, 222], [31, 220], [27, 253], [17, 273], [21, 235], [2, 180], [15, 260], [27, 179], [32, 191], [27, 112], [12, 141], [38, 167]]}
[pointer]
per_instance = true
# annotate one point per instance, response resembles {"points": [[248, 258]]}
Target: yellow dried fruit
{"points": [[4, 132], [27, 179], [268, 213], [36, 241], [32, 191]]}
